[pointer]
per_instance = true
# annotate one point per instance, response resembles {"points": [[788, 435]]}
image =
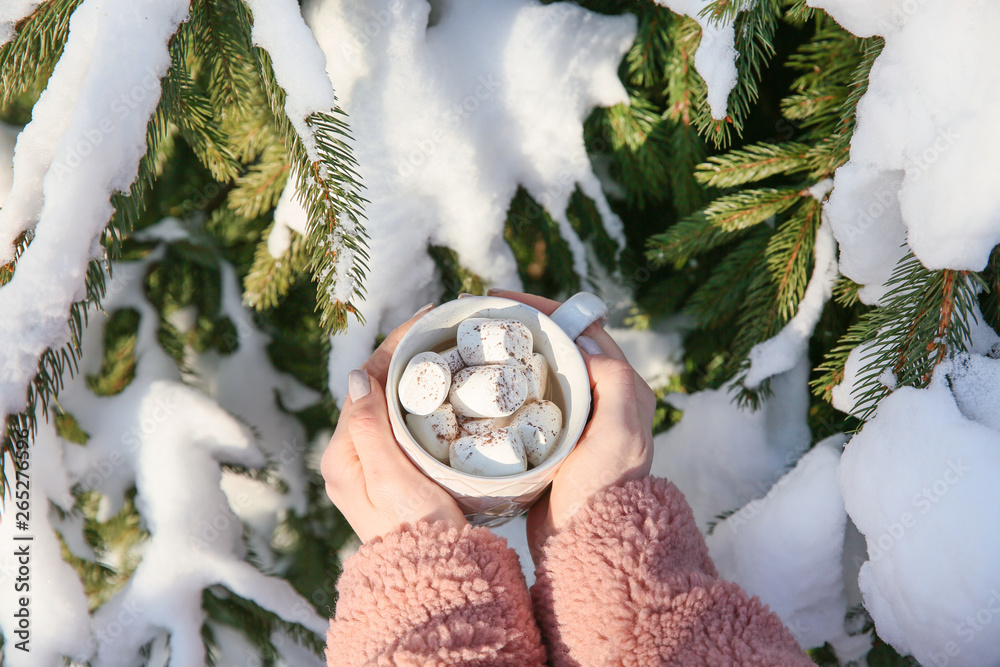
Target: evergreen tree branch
{"points": [[753, 163], [224, 50], [329, 190], [270, 278], [924, 319], [751, 207], [257, 190], [686, 239], [27, 61]]}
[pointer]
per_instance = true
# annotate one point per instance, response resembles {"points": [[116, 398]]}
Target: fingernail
{"points": [[465, 294], [422, 310], [589, 345], [358, 385], [493, 291]]}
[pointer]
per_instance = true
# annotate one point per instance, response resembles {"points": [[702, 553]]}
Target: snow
{"points": [[780, 353], [975, 384], [930, 582], [298, 64], [63, 628], [288, 217], [163, 436], [722, 456], [11, 13], [76, 154], [656, 356], [448, 120], [786, 547], [715, 59], [168, 440], [922, 167], [8, 135]]}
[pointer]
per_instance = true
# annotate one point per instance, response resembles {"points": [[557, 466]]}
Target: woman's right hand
{"points": [[617, 444]]}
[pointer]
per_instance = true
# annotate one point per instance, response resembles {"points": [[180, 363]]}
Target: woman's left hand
{"points": [[368, 477]]}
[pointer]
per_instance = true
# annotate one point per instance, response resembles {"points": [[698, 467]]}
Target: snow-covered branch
{"points": [[87, 135]]}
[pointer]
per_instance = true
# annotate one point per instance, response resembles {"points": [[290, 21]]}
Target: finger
{"points": [[548, 306], [342, 473], [367, 419], [378, 364], [615, 392]]}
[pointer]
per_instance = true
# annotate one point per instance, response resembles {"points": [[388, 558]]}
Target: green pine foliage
{"points": [[720, 222], [219, 101]]}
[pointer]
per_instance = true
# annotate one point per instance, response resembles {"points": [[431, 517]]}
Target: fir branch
{"points": [[257, 191], [790, 254], [719, 299], [652, 49], [753, 163], [689, 237], [223, 48], [190, 109], [846, 292], [270, 278], [924, 318], [687, 150], [638, 140], [329, 191], [254, 622], [857, 88], [544, 259], [751, 207], [118, 365], [455, 278], [52, 364], [27, 61], [687, 101], [755, 24]]}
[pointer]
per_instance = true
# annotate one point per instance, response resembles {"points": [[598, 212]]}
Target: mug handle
{"points": [[578, 312]]}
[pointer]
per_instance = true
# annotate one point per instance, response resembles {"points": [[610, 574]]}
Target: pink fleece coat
{"points": [[628, 582]]}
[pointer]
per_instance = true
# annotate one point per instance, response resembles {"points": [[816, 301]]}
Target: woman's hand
{"points": [[368, 477], [617, 444]]}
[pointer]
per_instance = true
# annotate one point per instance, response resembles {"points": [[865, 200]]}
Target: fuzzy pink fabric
{"points": [[628, 582], [434, 595]]}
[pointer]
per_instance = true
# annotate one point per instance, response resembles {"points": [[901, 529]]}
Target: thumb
{"points": [[613, 383]]}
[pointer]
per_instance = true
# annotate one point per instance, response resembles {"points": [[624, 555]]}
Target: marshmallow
{"points": [[493, 454], [468, 426], [425, 383], [488, 391], [454, 359], [538, 424], [435, 431], [486, 341], [537, 371]]}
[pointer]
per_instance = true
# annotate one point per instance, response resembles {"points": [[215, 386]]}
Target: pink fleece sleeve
{"points": [[630, 582], [434, 595]]}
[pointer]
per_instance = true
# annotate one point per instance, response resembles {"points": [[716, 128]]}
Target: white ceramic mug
{"points": [[491, 501]]}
